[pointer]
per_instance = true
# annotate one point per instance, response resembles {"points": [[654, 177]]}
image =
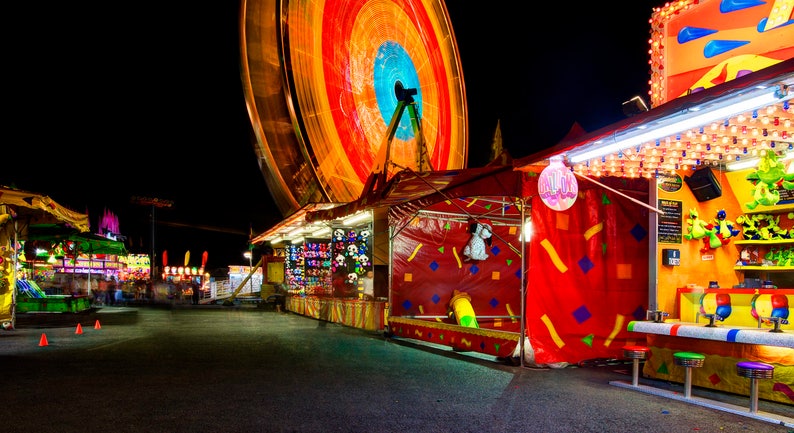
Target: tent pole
{"points": [[14, 276], [523, 282]]}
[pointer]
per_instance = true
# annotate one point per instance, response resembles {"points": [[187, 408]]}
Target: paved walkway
{"points": [[246, 369]]}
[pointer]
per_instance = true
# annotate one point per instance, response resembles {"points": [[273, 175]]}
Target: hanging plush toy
{"points": [[480, 238], [724, 227]]}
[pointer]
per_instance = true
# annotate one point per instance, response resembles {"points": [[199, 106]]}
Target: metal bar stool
{"points": [[754, 371], [688, 360], [635, 353]]}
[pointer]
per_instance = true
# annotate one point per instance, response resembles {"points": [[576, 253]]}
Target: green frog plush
{"points": [[769, 175]]}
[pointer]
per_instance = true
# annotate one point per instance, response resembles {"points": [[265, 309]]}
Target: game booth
{"points": [[717, 148], [461, 271], [20, 211]]}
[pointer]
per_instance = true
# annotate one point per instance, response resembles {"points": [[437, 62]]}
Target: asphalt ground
{"points": [[203, 368]]}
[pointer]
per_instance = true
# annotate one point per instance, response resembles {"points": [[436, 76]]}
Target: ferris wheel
{"points": [[323, 81]]}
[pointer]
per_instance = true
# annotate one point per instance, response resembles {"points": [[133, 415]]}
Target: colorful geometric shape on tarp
{"points": [[585, 264], [582, 314], [638, 232]]}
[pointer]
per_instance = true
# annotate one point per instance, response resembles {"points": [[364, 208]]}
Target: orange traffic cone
{"points": [[43, 340], [96, 325], [79, 329]]}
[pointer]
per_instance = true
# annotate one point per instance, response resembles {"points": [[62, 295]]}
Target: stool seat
{"points": [[635, 353], [754, 371], [689, 360]]}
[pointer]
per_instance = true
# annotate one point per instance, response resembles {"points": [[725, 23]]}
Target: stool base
{"points": [[712, 404]]}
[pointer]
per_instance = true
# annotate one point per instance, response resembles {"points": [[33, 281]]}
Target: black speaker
{"points": [[703, 184]]}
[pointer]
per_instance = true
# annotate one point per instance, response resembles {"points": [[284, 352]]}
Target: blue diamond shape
{"points": [[435, 299], [639, 313], [639, 232], [407, 305], [493, 302], [585, 264], [581, 314], [474, 269], [433, 265], [495, 251]]}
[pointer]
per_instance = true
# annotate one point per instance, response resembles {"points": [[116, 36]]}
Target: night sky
{"points": [[145, 99]]}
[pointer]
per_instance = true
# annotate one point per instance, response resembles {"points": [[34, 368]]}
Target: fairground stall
{"points": [[325, 264], [460, 263], [19, 211], [716, 148], [180, 277]]}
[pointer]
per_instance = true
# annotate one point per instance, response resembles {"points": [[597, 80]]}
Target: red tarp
{"points": [[588, 273]]}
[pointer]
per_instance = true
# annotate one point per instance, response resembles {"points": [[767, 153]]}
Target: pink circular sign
{"points": [[557, 186]]}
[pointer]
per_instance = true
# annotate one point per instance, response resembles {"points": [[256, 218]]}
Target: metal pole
{"points": [[152, 266]]}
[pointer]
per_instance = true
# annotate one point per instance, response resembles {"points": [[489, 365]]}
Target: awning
{"points": [[83, 243], [26, 203], [295, 221], [407, 191], [778, 76]]}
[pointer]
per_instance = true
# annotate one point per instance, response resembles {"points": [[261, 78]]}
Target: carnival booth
{"points": [[323, 265], [460, 262], [715, 147], [19, 211], [442, 286]]}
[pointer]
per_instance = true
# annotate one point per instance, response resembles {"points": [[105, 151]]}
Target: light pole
{"points": [[250, 256]]}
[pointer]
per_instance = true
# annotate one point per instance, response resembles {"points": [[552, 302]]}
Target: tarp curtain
{"points": [[428, 267], [588, 273]]}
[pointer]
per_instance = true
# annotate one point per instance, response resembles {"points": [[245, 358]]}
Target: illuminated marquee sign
{"points": [[697, 44]]}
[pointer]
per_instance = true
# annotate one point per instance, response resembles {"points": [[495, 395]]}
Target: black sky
{"points": [[145, 99]]}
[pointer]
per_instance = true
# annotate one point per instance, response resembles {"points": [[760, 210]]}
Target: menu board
{"points": [[670, 222]]}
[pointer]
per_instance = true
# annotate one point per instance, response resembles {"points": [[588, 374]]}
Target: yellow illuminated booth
{"points": [[721, 279]]}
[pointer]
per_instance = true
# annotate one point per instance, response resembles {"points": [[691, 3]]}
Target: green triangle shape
{"points": [[605, 199], [446, 226], [488, 206], [509, 261], [496, 346], [441, 337], [662, 369], [441, 250], [588, 340], [603, 249]]}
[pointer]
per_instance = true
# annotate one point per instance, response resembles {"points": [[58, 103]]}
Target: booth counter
{"points": [[483, 340], [751, 307], [53, 304], [369, 315], [723, 347]]}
